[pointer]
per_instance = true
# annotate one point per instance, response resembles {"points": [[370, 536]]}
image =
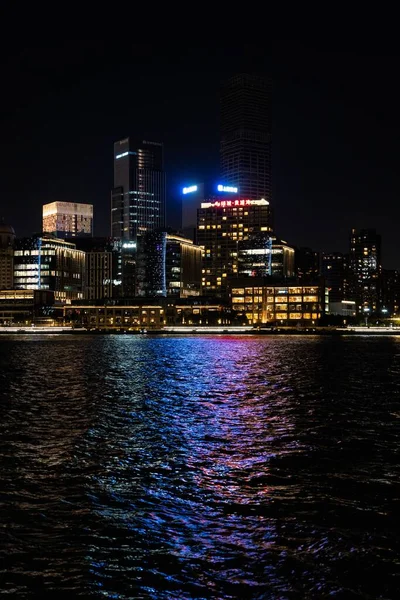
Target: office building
{"points": [[246, 135], [7, 239], [365, 269], [335, 270], [137, 200], [49, 263], [261, 302], [222, 225], [138, 196], [168, 265], [68, 219], [103, 267], [264, 255]]}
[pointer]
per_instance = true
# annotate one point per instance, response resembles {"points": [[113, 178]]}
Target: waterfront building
{"points": [[335, 270], [365, 269], [49, 263], [168, 265], [261, 302], [103, 267], [131, 317], [26, 306], [7, 239], [246, 135], [68, 219], [343, 308], [222, 225], [264, 254]]}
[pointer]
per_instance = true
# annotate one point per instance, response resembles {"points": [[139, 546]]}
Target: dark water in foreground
{"points": [[214, 467]]}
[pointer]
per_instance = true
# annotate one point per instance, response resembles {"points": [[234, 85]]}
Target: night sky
{"points": [[336, 130]]}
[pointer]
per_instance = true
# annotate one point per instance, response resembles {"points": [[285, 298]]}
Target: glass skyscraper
{"points": [[138, 196], [246, 135]]}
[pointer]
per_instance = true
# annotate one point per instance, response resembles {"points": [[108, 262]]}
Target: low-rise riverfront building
{"points": [[265, 302]]}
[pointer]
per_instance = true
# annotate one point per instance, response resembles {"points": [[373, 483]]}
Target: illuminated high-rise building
{"points": [[68, 219], [137, 200], [365, 269], [222, 225], [138, 196], [246, 135]]}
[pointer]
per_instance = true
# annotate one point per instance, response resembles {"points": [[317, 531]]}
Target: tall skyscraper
{"points": [[365, 269], [246, 135], [68, 219], [138, 196]]}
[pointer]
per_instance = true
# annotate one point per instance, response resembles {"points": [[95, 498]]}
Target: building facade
{"points": [[222, 226], [68, 219], [365, 269], [45, 263], [103, 267], [265, 255], [7, 239], [168, 265], [246, 135], [138, 196], [133, 317], [262, 302]]}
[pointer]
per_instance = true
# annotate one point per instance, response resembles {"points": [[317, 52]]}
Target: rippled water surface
{"points": [[199, 467]]}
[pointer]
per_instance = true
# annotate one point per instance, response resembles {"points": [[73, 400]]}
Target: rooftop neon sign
{"points": [[230, 203], [227, 188], [190, 189]]}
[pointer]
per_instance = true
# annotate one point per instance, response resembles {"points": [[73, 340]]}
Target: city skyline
{"points": [[334, 168]]}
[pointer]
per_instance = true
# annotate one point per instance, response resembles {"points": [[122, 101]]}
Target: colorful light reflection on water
{"points": [[228, 467]]}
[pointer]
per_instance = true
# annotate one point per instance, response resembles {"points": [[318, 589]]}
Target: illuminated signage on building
{"points": [[190, 189], [230, 203], [121, 155], [129, 245], [227, 188]]}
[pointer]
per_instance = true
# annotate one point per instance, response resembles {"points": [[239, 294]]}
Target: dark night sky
{"points": [[336, 129]]}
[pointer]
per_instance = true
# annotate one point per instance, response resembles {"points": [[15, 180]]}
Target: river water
{"points": [[199, 467]]}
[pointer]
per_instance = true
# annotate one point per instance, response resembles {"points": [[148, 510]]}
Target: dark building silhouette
{"points": [[246, 135], [390, 293], [365, 269], [7, 239], [335, 270], [307, 264]]}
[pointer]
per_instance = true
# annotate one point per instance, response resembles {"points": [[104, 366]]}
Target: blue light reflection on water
{"points": [[204, 467]]}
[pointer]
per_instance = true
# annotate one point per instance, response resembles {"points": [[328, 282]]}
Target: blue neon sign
{"points": [[227, 188], [190, 189]]}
